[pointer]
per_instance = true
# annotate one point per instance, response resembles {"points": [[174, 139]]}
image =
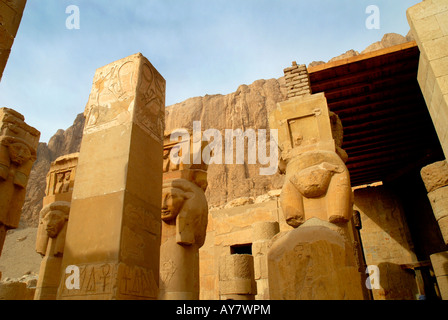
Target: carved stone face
{"points": [[54, 222], [19, 153], [172, 202]]}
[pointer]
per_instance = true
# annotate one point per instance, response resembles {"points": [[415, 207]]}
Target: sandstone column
{"points": [[237, 277], [113, 236], [185, 217], [317, 259], [435, 177], [11, 15], [262, 232], [439, 263], [428, 22], [52, 228], [18, 144]]}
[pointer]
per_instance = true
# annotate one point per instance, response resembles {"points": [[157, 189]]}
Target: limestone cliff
{"points": [[246, 108]]}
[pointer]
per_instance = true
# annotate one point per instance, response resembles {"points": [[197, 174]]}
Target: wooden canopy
{"points": [[387, 127]]}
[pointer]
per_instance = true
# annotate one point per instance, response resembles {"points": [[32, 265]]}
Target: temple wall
{"points": [[233, 227], [386, 242]]}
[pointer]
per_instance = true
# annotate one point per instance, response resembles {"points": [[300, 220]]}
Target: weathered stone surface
{"points": [[262, 233], [312, 263], [388, 40], [15, 290], [18, 143], [118, 186], [439, 263], [439, 202], [236, 277], [427, 20], [435, 175], [317, 189], [317, 182], [10, 18]]}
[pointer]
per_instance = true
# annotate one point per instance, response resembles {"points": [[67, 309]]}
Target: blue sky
{"points": [[199, 46]]}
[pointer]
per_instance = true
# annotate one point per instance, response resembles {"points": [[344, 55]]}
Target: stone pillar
{"points": [[237, 277], [439, 263], [10, 18], [18, 144], [317, 200], [435, 177], [113, 237], [428, 22], [52, 228], [185, 217], [263, 232]]}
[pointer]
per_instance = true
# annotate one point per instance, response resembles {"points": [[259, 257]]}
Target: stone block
{"points": [[15, 291], [442, 19], [443, 224], [428, 28], [10, 19], [18, 146], [439, 263], [442, 83], [426, 8], [306, 261], [436, 49], [314, 122], [440, 66], [435, 175], [265, 230]]}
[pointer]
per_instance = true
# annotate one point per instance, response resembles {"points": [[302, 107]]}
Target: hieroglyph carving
{"points": [[108, 279], [118, 87]]}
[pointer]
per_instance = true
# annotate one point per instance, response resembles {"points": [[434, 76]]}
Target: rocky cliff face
{"points": [[246, 108]]}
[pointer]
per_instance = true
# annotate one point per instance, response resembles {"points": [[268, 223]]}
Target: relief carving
{"points": [[184, 217], [185, 202], [317, 181], [18, 144]]}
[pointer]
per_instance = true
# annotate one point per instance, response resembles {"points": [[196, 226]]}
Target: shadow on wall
{"points": [[396, 283], [383, 223]]}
